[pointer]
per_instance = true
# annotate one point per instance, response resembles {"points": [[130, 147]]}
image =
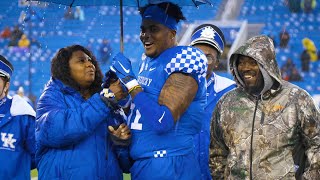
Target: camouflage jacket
{"points": [[284, 124]]}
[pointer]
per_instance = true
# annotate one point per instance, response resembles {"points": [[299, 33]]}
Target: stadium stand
{"points": [[53, 31], [275, 15]]}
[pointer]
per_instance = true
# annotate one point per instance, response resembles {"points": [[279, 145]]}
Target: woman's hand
{"points": [[121, 135]]}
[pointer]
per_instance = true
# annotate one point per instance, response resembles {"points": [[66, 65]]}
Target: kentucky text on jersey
{"points": [[144, 81]]}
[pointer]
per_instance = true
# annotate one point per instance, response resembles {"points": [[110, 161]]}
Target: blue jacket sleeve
{"points": [[63, 120], [29, 142]]}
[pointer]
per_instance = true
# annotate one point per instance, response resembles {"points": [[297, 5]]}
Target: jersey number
{"points": [[135, 124]]}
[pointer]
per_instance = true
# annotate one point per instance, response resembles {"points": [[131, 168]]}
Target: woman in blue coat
{"points": [[72, 119]]}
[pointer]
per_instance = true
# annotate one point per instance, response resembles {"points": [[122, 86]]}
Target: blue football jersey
{"points": [[152, 76]]}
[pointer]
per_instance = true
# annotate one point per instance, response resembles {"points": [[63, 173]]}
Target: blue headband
{"points": [[207, 35], [5, 69], [157, 14]]}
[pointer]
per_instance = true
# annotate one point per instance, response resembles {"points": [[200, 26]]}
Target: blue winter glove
{"points": [[122, 67]]}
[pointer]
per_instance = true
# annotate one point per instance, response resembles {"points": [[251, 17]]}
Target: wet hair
{"points": [[171, 9], [4, 60], [60, 68]]}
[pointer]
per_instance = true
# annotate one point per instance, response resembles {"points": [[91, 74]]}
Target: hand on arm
{"points": [[112, 88], [118, 90], [112, 82], [109, 99]]}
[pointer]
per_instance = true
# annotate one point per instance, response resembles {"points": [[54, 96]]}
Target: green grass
{"points": [[34, 173], [126, 177]]}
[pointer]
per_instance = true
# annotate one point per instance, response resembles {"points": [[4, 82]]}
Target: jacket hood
{"points": [[261, 49]]}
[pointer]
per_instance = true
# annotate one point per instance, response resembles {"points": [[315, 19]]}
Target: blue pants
{"points": [[166, 168]]}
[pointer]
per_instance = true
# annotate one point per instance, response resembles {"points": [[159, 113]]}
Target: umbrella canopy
{"points": [[135, 3], [121, 3]]}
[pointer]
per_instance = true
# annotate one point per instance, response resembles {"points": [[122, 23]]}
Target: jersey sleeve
{"points": [[188, 60]]}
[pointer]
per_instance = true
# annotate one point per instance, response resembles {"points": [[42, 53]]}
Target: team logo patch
{"points": [[8, 141], [208, 32]]}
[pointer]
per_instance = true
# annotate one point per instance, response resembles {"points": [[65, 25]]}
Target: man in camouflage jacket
{"points": [[267, 128]]}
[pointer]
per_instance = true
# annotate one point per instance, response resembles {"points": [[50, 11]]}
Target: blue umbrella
{"points": [[135, 3], [121, 3]]}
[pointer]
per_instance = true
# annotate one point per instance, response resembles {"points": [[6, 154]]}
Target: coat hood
{"points": [[261, 49]]}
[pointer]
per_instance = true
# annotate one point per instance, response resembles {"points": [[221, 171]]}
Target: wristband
{"points": [[129, 85], [134, 88]]}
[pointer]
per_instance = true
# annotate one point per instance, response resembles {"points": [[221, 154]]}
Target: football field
{"points": [[34, 175]]}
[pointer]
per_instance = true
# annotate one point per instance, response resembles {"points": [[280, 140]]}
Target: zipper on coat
{"points": [[251, 140]]}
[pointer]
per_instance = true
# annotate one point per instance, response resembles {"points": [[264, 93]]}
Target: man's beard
{"points": [[257, 88]]}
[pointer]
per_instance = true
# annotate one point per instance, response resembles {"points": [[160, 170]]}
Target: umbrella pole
{"points": [[121, 26]]}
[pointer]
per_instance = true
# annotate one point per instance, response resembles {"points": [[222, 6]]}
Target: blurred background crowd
{"points": [[31, 33]]}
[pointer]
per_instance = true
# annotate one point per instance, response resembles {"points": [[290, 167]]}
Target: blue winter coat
{"points": [[217, 86], [71, 136], [17, 144]]}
